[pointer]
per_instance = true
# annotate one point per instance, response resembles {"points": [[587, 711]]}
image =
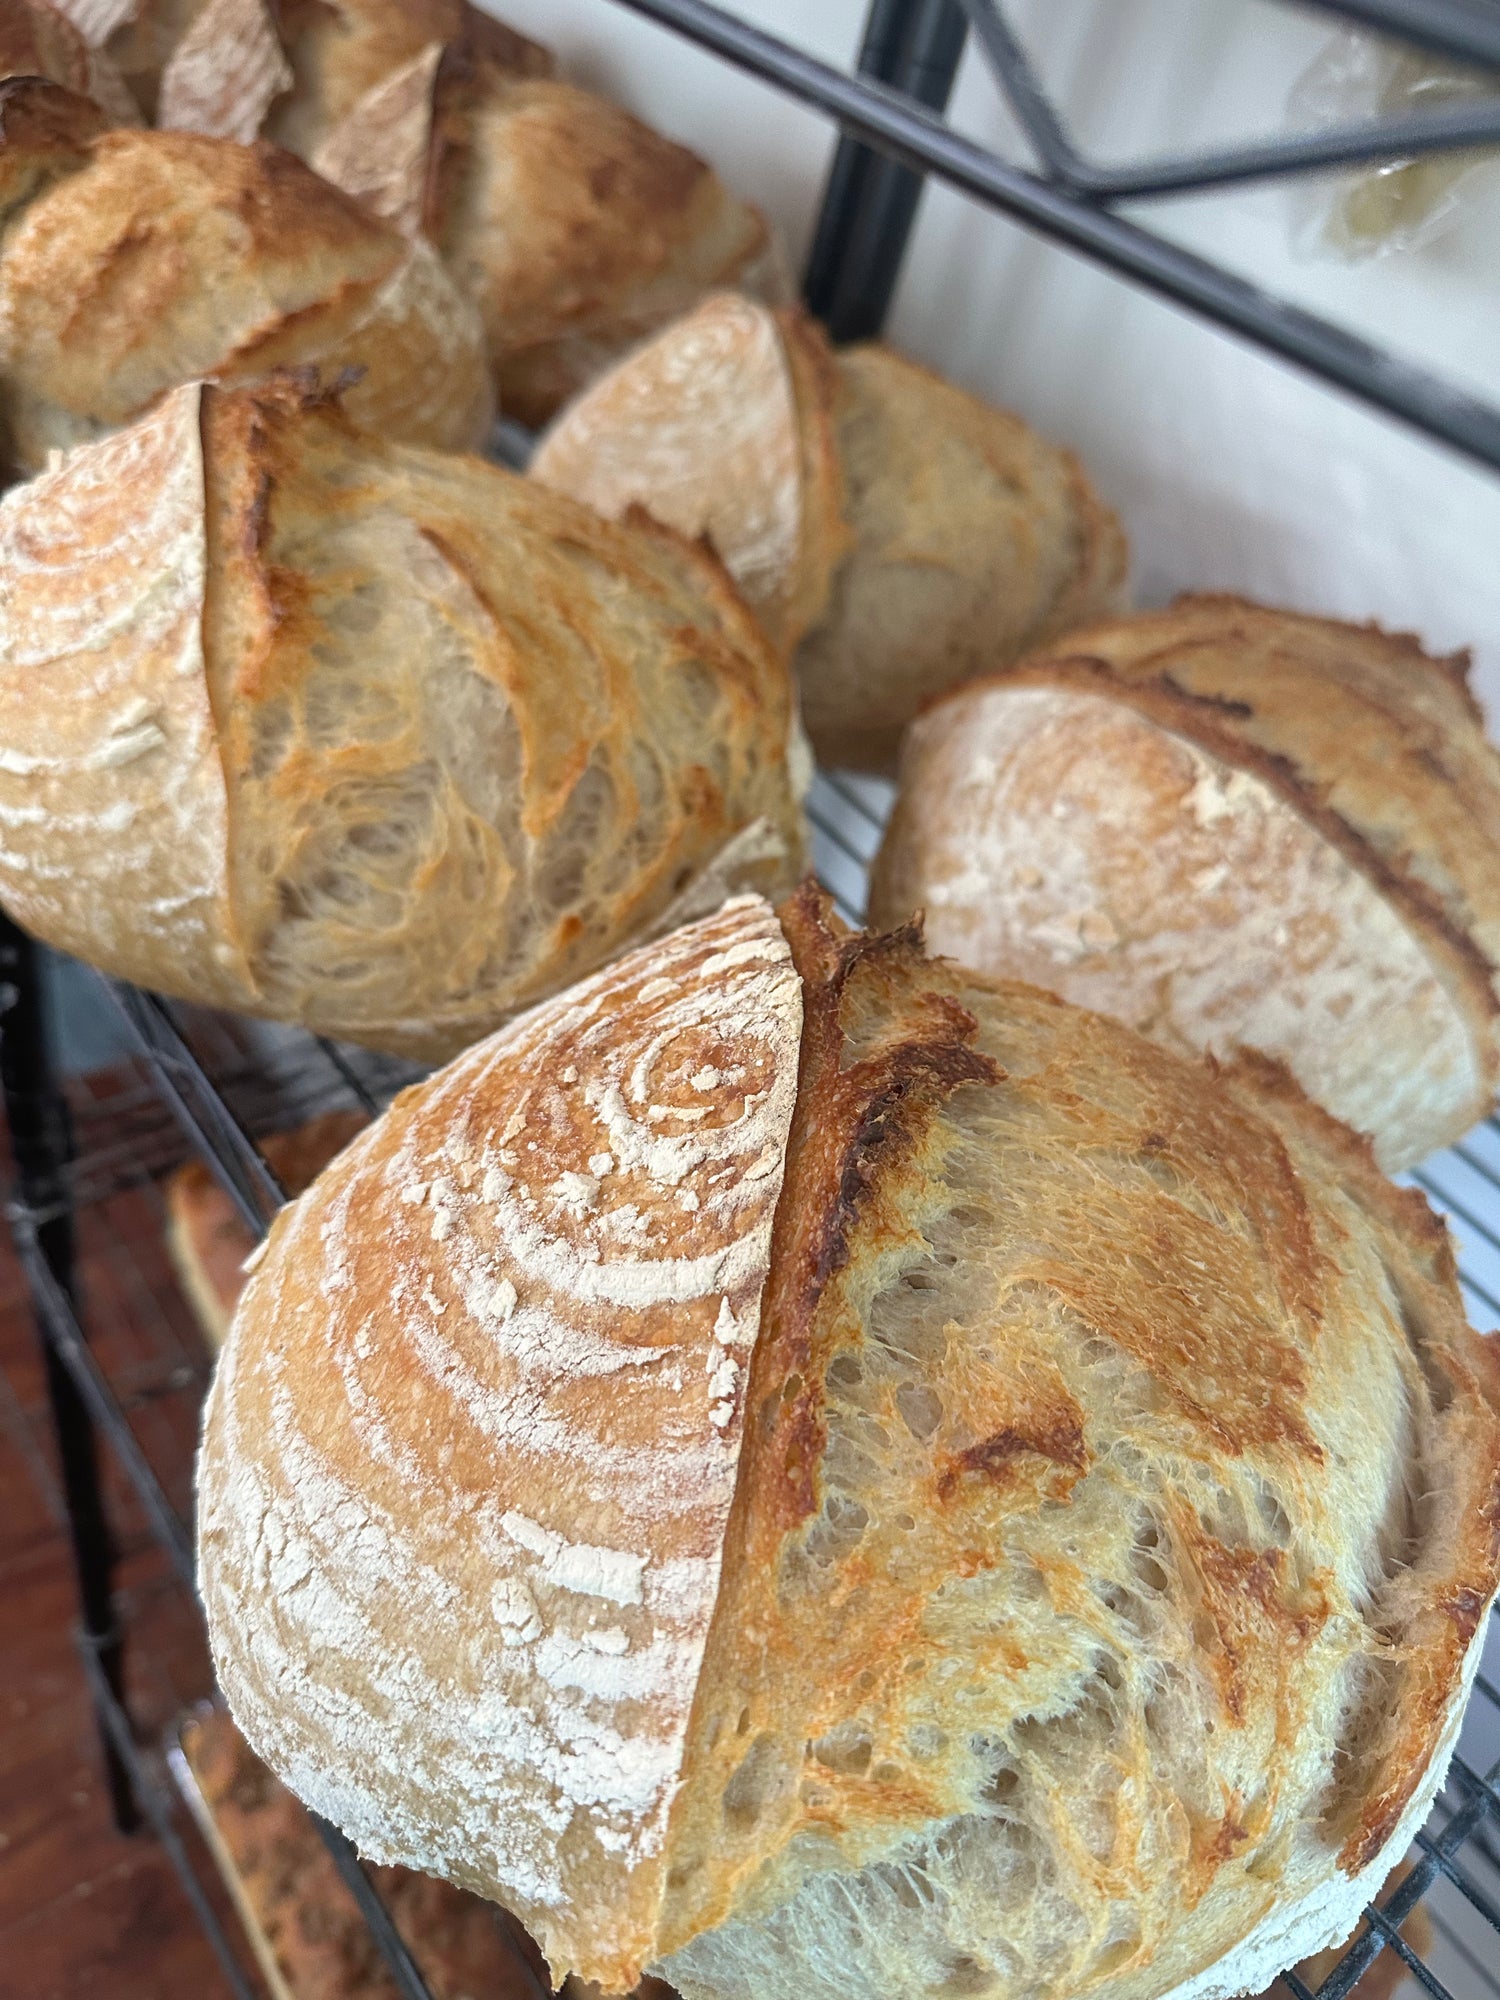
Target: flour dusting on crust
{"points": [[474, 1439]]}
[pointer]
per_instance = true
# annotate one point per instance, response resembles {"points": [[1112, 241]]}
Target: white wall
{"points": [[1231, 470]]}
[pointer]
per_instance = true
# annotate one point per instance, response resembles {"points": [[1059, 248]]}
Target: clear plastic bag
{"points": [[1371, 211]]}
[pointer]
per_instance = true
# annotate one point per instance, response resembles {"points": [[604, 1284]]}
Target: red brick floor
{"points": [[84, 1910]]}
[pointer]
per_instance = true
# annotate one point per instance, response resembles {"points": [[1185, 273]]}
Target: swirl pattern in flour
{"points": [[474, 1440]]}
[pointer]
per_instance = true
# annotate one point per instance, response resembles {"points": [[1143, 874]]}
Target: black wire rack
{"points": [[207, 1084]]}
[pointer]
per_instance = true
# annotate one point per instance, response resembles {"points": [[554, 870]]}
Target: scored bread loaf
{"points": [[207, 1237], [575, 227], [830, 1477], [1228, 825], [900, 533], [134, 261], [380, 740]]}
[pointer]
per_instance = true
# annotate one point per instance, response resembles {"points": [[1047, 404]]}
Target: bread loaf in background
{"points": [[38, 40], [208, 1239], [1229, 825], [384, 741], [134, 261], [900, 533], [574, 227], [809, 1470]]}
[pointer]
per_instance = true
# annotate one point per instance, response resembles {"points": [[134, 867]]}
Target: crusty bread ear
{"points": [[389, 742], [899, 533], [1226, 825], [45, 131], [1113, 1473]]}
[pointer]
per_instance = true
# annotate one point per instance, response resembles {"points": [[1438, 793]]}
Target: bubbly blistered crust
{"points": [[402, 743], [470, 1450], [1104, 1579]]}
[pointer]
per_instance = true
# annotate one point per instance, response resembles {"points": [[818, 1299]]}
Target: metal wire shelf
{"points": [[207, 1085]]}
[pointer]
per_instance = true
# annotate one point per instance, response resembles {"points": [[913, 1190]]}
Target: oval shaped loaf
{"points": [[1050, 1559], [381, 740], [1228, 825], [160, 257], [900, 533]]}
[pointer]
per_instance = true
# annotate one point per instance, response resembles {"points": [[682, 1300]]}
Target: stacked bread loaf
{"points": [[802, 1468], [1229, 826], [362, 735], [816, 1473], [898, 533], [572, 226]]}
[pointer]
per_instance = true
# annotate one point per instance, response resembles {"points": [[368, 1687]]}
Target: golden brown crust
{"points": [[1150, 1224], [971, 540], [576, 228], [206, 1235], [452, 740], [44, 136], [106, 304]]}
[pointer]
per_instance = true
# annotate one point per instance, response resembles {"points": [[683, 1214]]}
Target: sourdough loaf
{"points": [[381, 740], [1049, 1557], [575, 227], [901, 533], [1229, 825], [133, 261], [207, 1237]]}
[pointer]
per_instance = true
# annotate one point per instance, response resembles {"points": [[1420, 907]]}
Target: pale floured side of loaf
{"points": [[470, 1452], [1057, 836], [224, 73], [700, 427], [1115, 1538], [113, 809]]}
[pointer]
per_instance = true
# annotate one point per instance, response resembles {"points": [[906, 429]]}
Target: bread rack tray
{"points": [[208, 1083]]}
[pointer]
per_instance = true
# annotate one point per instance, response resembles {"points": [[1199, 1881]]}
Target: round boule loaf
{"points": [[1229, 825], [143, 260], [900, 533], [385, 741], [828, 1477]]}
